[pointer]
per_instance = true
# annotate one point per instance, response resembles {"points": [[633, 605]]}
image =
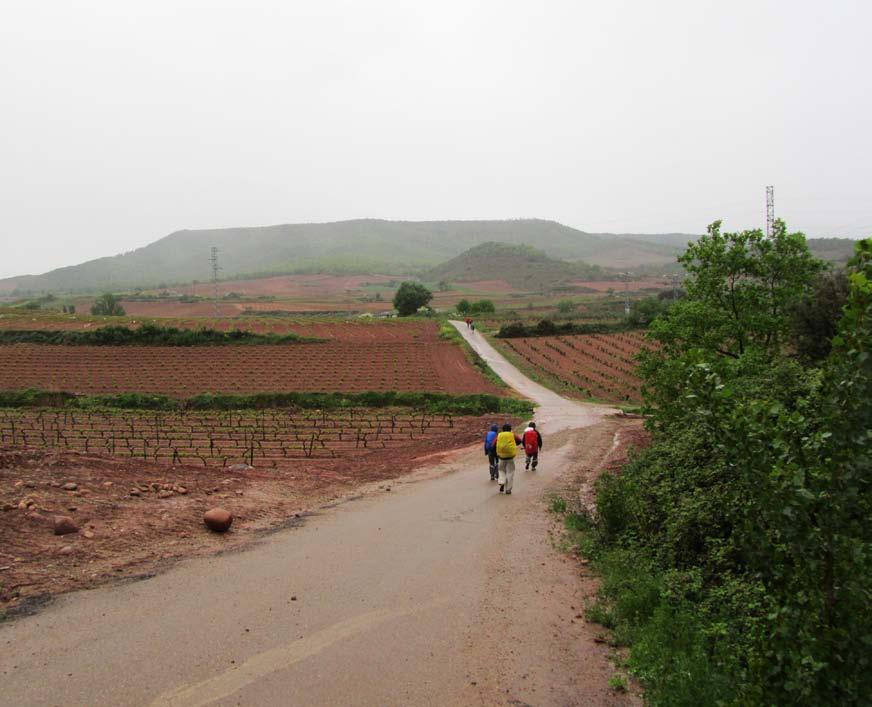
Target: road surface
{"points": [[433, 590]]}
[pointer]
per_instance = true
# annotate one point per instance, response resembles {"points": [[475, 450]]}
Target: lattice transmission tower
{"points": [[215, 269], [770, 211]]}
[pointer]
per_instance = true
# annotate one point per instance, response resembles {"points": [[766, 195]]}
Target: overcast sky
{"points": [[122, 122]]}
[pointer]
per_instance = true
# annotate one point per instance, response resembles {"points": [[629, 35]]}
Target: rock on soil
{"points": [[218, 519], [64, 525], [70, 486]]}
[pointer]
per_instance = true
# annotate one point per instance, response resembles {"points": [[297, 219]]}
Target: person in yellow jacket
{"points": [[507, 450]]}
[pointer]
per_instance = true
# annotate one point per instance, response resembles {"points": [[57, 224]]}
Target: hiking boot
{"points": [[508, 493], [502, 486]]}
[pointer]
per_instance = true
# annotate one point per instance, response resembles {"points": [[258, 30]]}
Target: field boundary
{"points": [[434, 403]]}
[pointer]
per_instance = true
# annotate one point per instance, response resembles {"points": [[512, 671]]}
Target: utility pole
{"points": [[627, 294], [215, 269], [770, 211]]}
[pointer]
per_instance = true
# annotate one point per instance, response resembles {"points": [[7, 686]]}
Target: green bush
{"points": [[146, 335], [736, 551], [435, 403], [107, 305]]}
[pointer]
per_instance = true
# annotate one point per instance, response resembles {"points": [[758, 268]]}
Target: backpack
{"points": [[531, 441], [506, 447]]}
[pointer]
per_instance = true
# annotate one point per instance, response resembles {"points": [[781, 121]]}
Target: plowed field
{"points": [[600, 366], [431, 366]]}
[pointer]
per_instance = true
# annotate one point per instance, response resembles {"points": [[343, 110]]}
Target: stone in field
{"points": [[240, 467], [64, 525], [70, 486], [218, 519]]}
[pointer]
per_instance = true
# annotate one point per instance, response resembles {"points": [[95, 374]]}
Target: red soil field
{"points": [[600, 366], [184, 371], [223, 438]]}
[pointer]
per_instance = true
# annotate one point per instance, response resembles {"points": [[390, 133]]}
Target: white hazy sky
{"points": [[121, 122]]}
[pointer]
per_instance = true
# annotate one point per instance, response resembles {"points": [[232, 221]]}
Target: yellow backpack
{"points": [[506, 446]]}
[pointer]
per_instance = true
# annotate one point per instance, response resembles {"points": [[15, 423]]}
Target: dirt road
{"points": [[435, 590]]}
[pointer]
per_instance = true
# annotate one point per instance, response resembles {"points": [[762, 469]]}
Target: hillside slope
{"points": [[367, 245], [527, 268]]}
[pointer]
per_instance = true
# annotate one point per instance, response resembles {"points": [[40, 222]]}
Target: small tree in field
{"points": [[565, 306], [464, 307], [108, 305], [410, 297]]}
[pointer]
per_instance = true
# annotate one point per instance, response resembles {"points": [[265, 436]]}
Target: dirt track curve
{"points": [[433, 591]]}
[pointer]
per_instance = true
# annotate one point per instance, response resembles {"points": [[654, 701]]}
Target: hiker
{"points": [[490, 449], [532, 444], [507, 450], [468, 322], [472, 326]]}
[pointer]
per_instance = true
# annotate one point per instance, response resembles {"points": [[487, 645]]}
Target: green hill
{"points": [[525, 267], [361, 246], [367, 245]]}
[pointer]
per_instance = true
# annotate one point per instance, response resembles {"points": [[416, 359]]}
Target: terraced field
{"points": [[599, 366]]}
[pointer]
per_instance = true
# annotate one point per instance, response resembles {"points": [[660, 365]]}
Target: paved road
{"points": [[440, 591]]}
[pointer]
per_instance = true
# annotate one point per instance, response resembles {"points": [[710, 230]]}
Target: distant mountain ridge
{"points": [[363, 245], [357, 246]]}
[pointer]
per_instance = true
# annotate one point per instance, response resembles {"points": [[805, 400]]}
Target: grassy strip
{"points": [[435, 403], [449, 333], [546, 327], [147, 335], [655, 614]]}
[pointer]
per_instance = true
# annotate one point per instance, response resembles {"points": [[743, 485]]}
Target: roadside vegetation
{"points": [[548, 327], [436, 403], [736, 551]]}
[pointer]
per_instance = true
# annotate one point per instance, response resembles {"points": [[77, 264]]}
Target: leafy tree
{"points": [[565, 306], [646, 310], [483, 306], [817, 315], [410, 297], [464, 307], [108, 305], [740, 291]]}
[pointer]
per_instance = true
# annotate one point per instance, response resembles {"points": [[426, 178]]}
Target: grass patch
{"points": [[434, 403], [147, 335]]}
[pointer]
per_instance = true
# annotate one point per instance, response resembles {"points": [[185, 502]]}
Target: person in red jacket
{"points": [[532, 444]]}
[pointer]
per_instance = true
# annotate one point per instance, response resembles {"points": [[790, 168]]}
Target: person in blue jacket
{"points": [[490, 449]]}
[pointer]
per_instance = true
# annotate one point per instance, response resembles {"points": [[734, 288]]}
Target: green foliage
{"points": [[736, 550], [646, 310], [566, 306], [107, 305], [546, 327], [817, 315], [436, 403], [484, 306], [146, 335], [740, 291], [410, 297]]}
